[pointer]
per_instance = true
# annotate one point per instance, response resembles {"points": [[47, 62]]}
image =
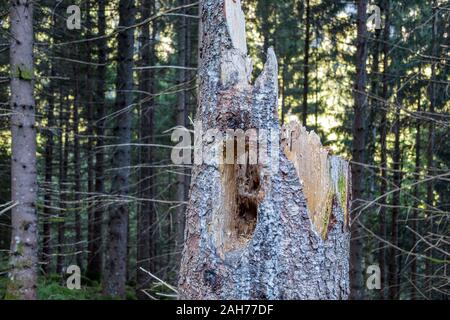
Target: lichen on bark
{"points": [[22, 72]]}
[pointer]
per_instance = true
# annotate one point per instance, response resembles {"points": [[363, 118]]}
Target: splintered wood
{"points": [[236, 24], [275, 229], [325, 178]]}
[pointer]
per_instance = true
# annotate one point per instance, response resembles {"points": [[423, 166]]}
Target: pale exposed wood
{"points": [[236, 24], [325, 178]]}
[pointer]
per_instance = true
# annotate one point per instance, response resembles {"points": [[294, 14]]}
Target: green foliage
{"points": [[53, 288], [3, 283], [3, 274]]}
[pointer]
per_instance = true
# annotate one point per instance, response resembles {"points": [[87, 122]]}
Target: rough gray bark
{"points": [[23, 260], [116, 246], [249, 230]]}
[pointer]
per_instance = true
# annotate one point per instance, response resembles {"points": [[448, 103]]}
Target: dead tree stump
{"points": [[275, 229]]}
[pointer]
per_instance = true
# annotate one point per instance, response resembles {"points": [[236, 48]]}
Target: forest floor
{"points": [[53, 288]]}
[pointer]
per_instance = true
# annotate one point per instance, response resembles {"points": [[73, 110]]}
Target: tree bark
{"points": [[358, 147], [414, 248], [146, 212], [396, 159], [49, 146], [383, 151], [182, 120], [371, 135], [372, 116], [63, 171], [24, 254], [430, 154], [264, 9], [283, 91], [95, 257], [249, 232], [89, 92], [77, 168], [116, 246]]}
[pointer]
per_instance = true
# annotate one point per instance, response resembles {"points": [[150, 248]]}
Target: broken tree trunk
{"points": [[272, 229]]}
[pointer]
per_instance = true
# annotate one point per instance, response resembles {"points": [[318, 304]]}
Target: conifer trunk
{"points": [[23, 260], [277, 229]]}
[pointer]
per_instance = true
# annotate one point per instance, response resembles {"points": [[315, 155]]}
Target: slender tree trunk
{"points": [[393, 259], [316, 82], [89, 86], [95, 257], [63, 170], [116, 246], [283, 81], [415, 216], [383, 153], [47, 211], [264, 8], [371, 135], [77, 177], [182, 120], [358, 147], [430, 154], [306, 65], [249, 232], [146, 213], [24, 246], [371, 132]]}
